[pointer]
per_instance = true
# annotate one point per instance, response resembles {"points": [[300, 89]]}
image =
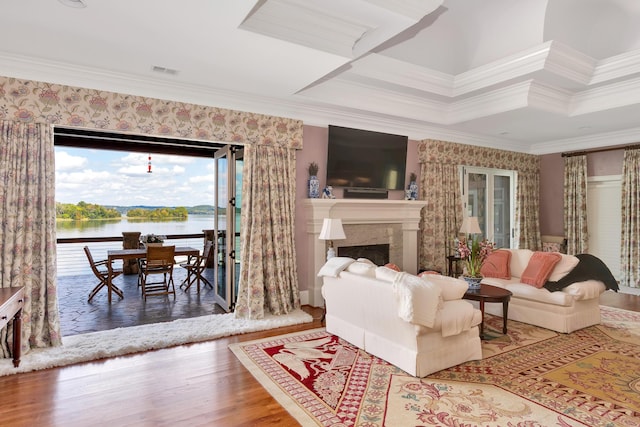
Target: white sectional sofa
{"points": [[573, 307], [420, 326]]}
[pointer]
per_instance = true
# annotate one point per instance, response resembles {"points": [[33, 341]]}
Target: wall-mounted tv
{"points": [[366, 159]]}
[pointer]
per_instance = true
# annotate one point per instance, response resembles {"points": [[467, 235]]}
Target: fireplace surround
{"points": [[365, 222]]}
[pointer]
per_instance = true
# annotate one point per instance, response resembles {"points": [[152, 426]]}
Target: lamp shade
{"points": [[470, 225], [332, 229]]}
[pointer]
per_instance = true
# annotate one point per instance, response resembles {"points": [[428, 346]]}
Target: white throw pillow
{"points": [[563, 267], [368, 261], [452, 288], [362, 268], [334, 266]]}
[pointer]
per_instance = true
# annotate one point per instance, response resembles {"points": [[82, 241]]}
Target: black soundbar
{"points": [[365, 193]]}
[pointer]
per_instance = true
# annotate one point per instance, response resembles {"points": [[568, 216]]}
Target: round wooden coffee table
{"points": [[488, 293]]}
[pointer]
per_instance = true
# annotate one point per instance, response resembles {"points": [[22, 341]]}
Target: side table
{"points": [[11, 303], [451, 268], [488, 293]]}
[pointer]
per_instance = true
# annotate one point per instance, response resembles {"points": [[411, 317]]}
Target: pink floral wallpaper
{"points": [[32, 101]]}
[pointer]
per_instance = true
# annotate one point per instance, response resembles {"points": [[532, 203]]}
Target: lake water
{"points": [[73, 261]]}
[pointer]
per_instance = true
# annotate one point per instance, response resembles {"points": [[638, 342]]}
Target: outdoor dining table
{"points": [[123, 254]]}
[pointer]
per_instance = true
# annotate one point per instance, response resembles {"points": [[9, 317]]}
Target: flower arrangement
{"points": [[474, 253], [152, 238]]}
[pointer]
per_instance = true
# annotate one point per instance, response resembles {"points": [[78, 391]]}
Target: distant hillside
{"points": [[193, 210]]}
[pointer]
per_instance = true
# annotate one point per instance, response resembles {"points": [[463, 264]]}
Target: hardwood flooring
{"points": [[200, 384]]}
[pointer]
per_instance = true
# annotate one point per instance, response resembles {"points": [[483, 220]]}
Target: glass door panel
{"points": [[226, 227], [488, 194], [502, 211]]}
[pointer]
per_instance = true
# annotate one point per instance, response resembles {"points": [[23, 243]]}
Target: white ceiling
{"points": [[527, 75]]}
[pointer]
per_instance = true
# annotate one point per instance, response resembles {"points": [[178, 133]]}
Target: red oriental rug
{"points": [[530, 377]]}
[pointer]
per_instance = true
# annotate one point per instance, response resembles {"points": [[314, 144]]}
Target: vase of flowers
{"points": [[473, 252], [314, 182], [413, 186], [152, 239]]}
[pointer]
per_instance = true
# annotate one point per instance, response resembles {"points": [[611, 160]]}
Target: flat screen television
{"points": [[366, 159]]}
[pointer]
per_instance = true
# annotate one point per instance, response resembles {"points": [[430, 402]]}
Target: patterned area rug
{"points": [[530, 377]]}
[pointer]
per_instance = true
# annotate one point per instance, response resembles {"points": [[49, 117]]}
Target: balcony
{"points": [[75, 281]]}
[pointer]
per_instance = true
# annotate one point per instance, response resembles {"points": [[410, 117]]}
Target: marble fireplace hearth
{"points": [[366, 222]]}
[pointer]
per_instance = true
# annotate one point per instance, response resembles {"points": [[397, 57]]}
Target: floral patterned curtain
{"points": [[630, 253], [268, 277], [27, 230], [575, 204], [442, 216], [528, 211]]}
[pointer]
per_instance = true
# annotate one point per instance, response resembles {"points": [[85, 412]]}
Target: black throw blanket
{"points": [[588, 268]]}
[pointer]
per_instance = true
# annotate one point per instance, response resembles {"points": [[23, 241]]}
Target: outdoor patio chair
{"points": [[158, 266], [195, 267], [100, 270]]}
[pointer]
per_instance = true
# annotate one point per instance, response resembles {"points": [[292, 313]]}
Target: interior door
{"points": [[228, 198]]}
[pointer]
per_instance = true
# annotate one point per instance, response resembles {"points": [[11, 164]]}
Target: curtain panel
{"points": [[268, 276], [433, 152], [575, 204], [27, 230], [630, 238], [441, 218]]}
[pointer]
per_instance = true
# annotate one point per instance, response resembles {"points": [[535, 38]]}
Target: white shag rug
{"points": [[116, 342]]}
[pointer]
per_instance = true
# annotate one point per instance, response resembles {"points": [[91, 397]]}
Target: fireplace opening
{"points": [[378, 254]]}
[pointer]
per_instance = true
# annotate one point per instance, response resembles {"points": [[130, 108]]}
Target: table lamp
{"points": [[332, 230], [470, 226]]}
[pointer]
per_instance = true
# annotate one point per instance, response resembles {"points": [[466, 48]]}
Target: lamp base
{"points": [[330, 253]]}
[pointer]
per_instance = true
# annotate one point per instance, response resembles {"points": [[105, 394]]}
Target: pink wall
{"points": [[551, 185], [315, 150]]}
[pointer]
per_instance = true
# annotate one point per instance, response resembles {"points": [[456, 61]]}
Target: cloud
{"points": [[65, 161]]}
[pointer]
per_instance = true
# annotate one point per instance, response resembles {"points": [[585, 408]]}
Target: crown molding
{"points": [[619, 66], [605, 139], [614, 95]]}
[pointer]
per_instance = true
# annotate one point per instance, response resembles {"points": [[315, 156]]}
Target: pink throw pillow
{"points": [[496, 265], [392, 266], [539, 268]]}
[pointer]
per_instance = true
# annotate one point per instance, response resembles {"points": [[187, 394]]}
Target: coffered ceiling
{"points": [[527, 75]]}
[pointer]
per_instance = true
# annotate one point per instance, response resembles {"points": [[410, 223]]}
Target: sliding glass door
{"points": [[228, 202]]}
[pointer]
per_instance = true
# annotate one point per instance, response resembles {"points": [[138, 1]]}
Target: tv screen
{"points": [[366, 159]]}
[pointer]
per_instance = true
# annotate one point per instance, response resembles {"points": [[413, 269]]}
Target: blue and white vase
{"points": [[314, 187], [413, 190], [473, 282]]}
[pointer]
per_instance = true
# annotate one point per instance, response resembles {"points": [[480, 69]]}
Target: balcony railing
{"points": [[73, 262]]}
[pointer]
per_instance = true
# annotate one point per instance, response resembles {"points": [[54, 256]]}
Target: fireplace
{"points": [[379, 254], [392, 223]]}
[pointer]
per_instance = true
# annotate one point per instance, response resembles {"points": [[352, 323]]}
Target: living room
{"points": [[552, 105]]}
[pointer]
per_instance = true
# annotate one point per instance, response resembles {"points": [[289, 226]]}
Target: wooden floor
{"points": [[192, 385]]}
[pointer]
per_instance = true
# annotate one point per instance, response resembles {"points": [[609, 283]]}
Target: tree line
{"points": [[84, 210]]}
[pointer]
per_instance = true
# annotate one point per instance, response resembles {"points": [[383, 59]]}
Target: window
{"points": [[489, 195]]}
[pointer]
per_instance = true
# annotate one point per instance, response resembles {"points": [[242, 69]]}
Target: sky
{"points": [[120, 178]]}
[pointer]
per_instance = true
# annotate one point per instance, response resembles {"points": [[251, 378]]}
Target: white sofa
{"points": [[417, 325], [574, 307]]}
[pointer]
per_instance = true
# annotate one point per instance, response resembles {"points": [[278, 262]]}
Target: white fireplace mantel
{"points": [[360, 211]]}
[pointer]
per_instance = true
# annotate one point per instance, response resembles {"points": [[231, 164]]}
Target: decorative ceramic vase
{"points": [[314, 187], [413, 189], [473, 282]]}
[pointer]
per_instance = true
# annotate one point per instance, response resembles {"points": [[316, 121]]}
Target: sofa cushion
{"points": [[539, 268], [386, 274], [362, 268], [496, 264], [519, 260], [450, 287], [563, 267]]}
